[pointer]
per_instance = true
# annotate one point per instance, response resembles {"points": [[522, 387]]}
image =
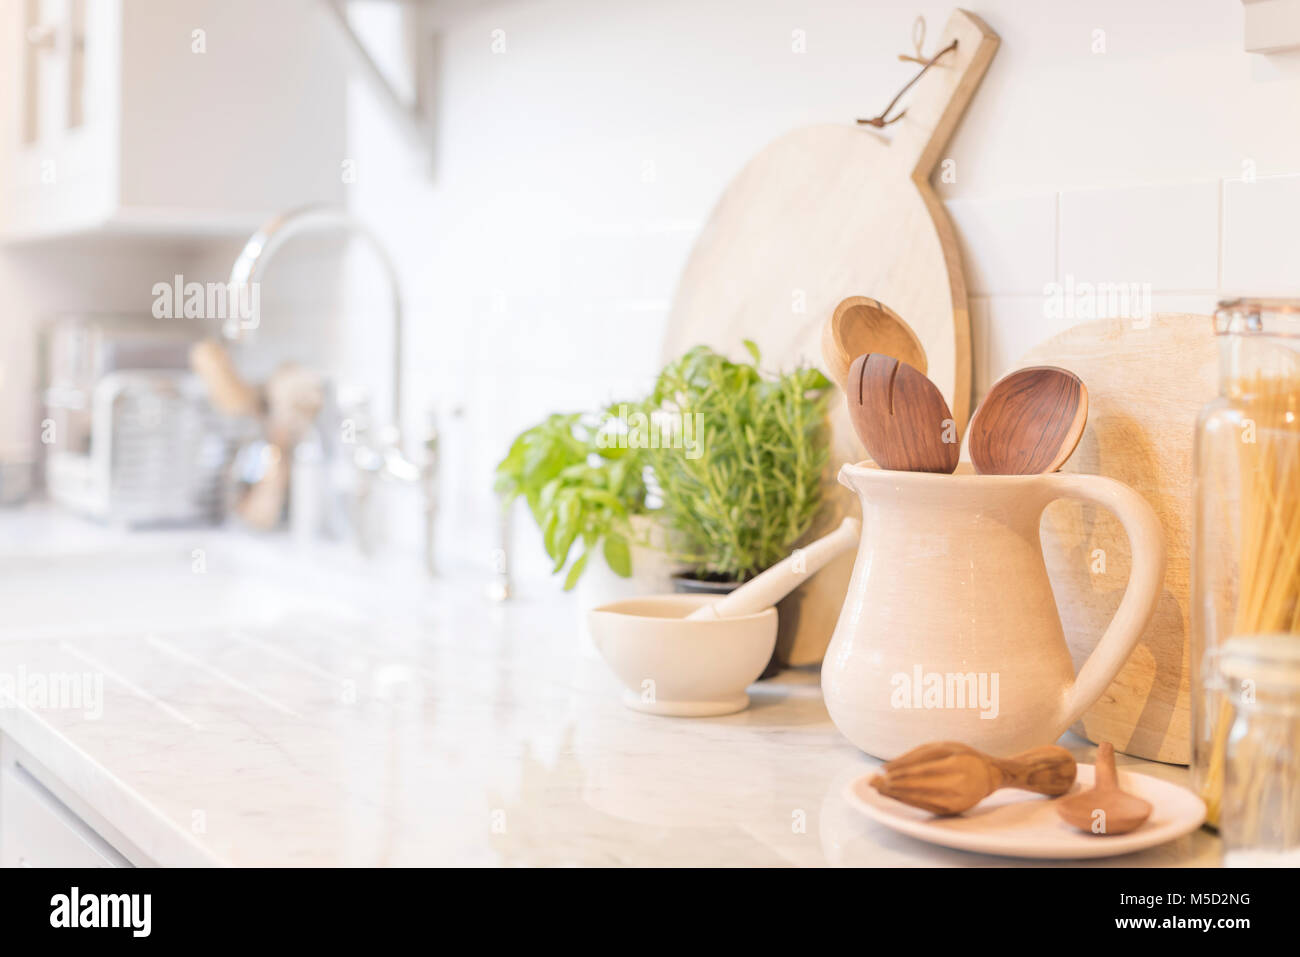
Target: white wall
{"points": [[542, 259]]}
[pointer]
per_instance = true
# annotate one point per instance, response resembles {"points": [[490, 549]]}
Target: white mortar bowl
{"points": [[672, 666]]}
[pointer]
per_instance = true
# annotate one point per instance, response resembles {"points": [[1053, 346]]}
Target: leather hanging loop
{"points": [[884, 119], [918, 43]]}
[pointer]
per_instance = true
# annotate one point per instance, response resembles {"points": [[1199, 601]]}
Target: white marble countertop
{"points": [[269, 705]]}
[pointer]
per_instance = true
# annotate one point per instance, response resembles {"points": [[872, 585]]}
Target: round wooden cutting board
{"points": [[1146, 386], [824, 213]]}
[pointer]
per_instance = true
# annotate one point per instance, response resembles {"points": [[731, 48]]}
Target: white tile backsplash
{"points": [[1166, 236], [1012, 326], [1201, 304], [1008, 246], [1261, 236]]}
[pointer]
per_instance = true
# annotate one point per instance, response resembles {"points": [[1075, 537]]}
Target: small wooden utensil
{"points": [[1029, 423], [900, 416], [948, 778], [1104, 808], [860, 325], [231, 394]]}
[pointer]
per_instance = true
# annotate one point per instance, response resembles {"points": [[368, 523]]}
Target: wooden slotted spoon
{"points": [[900, 416]]}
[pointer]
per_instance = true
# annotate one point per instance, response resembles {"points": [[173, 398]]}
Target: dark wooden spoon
{"points": [[1104, 808], [901, 416], [1030, 422]]}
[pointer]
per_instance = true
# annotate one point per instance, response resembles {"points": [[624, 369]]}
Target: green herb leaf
{"points": [[568, 510], [575, 571], [618, 556], [577, 483]]}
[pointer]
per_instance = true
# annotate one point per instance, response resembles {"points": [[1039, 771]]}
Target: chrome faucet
{"points": [[381, 454]]}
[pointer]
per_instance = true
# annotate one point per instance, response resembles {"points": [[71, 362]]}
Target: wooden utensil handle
{"points": [[1107, 778], [227, 391], [1046, 770]]}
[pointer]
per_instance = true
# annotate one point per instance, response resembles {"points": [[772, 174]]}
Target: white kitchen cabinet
{"points": [[38, 830], [186, 117]]}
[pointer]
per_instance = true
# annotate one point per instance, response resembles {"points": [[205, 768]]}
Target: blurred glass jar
{"points": [[1246, 554], [1257, 682]]}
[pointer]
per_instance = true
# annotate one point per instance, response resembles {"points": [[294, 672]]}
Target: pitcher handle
{"points": [[1146, 578]]}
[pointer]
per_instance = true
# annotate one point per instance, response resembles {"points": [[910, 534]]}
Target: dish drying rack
{"points": [[155, 456]]}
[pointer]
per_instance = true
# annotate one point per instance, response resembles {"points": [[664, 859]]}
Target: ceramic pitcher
{"points": [[950, 630]]}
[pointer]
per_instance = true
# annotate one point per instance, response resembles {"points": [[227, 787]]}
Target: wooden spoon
{"points": [[1104, 808], [901, 416], [228, 392], [948, 778], [293, 398], [860, 325], [1030, 422]]}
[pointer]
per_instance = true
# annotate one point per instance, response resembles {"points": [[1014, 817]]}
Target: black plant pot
{"points": [[689, 585]]}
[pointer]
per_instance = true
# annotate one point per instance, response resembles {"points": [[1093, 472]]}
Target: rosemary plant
{"points": [[753, 487]]}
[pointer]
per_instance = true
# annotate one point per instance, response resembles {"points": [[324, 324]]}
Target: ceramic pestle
{"points": [[785, 576]]}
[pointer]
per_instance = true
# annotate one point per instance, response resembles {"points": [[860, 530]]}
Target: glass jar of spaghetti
{"points": [[1258, 679], [1246, 550]]}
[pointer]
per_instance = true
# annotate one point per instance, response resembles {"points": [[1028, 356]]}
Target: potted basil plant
{"points": [[586, 492]]}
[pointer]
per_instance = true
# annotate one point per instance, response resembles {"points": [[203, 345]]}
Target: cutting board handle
{"points": [[942, 94]]}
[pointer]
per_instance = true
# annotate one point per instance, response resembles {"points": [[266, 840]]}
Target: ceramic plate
{"points": [[1015, 823]]}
